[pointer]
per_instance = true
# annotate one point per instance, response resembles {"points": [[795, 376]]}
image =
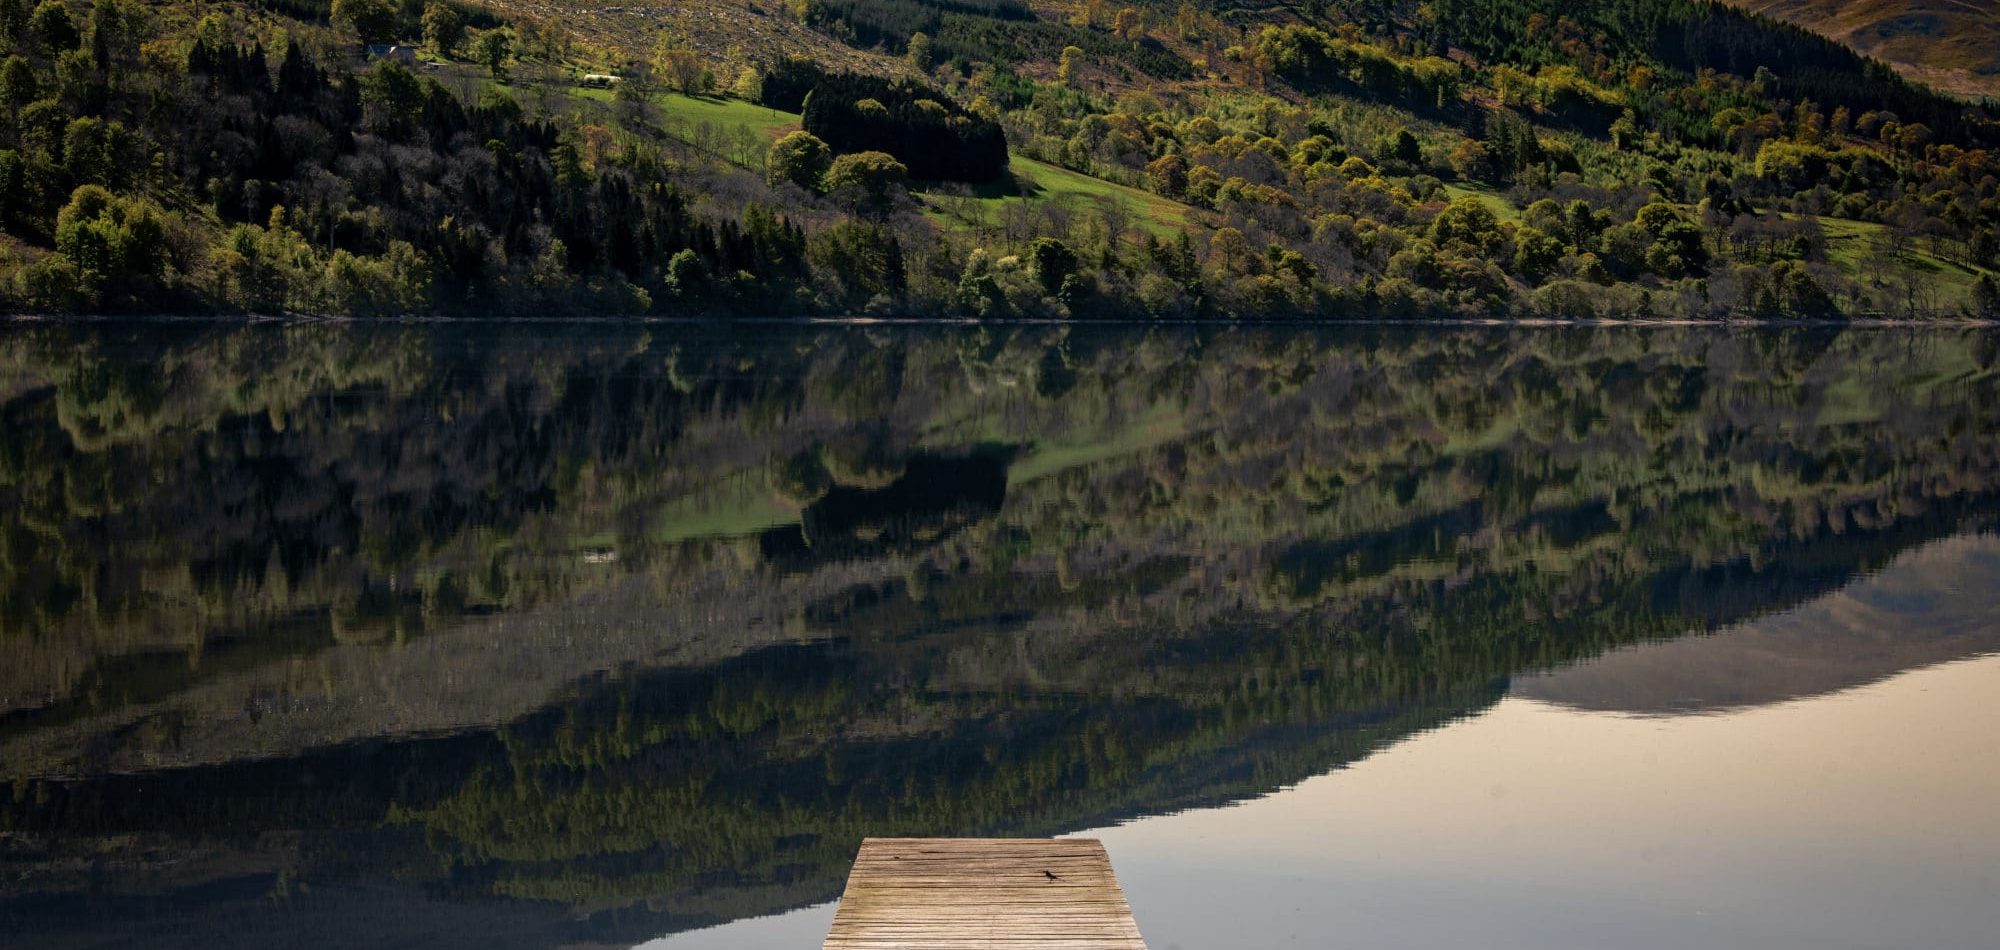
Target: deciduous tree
{"points": [[492, 50], [799, 158], [444, 29]]}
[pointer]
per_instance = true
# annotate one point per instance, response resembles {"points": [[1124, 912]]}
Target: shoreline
{"points": [[863, 321]]}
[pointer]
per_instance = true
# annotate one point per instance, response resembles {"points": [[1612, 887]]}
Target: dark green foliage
{"points": [[285, 183], [787, 83], [443, 28], [14, 18], [889, 23], [17, 83], [867, 257], [1054, 263], [928, 132], [375, 21], [1986, 297], [53, 28], [252, 140]]}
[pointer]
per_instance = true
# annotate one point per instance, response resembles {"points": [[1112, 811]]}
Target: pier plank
{"points": [[983, 894]]}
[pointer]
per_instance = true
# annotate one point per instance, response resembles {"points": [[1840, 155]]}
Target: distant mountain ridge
{"points": [[1950, 44]]}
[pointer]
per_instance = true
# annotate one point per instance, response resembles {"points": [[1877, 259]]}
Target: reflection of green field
{"points": [[1857, 399], [1040, 182], [730, 513], [1159, 424], [1495, 436]]}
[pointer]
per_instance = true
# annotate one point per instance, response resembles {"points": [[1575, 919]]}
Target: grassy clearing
{"points": [[1500, 433], [721, 112], [1859, 249], [1040, 182], [984, 207], [1492, 198]]}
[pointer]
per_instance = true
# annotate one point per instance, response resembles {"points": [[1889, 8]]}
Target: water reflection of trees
{"points": [[1024, 581]]}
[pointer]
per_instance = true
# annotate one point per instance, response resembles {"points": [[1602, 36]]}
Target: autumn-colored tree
{"points": [[1092, 14], [1169, 175], [1913, 137], [1228, 245], [1471, 160], [1129, 24], [1066, 66]]}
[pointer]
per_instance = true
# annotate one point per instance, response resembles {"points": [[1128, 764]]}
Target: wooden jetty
{"points": [[983, 894]]}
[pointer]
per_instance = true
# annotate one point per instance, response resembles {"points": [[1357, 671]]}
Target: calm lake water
{"points": [[331, 636]]}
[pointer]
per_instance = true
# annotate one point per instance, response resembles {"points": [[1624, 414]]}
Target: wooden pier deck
{"points": [[983, 894]]}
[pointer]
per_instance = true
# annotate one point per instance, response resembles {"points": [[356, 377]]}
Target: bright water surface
{"points": [[448, 636]]}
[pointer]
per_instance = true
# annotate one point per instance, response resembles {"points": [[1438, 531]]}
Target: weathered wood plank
{"points": [[983, 894]]}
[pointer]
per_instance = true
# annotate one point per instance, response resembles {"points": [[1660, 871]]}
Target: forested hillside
{"points": [[1952, 43], [983, 158]]}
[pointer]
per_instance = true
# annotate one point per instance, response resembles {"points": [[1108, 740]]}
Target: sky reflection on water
{"points": [[1863, 818], [1859, 819], [1856, 810]]}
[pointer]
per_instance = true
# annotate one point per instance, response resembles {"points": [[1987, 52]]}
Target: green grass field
{"points": [[1040, 182], [1856, 247], [723, 112], [1031, 181], [1496, 202]]}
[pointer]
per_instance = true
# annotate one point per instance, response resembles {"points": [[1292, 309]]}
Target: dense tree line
{"points": [[934, 136]]}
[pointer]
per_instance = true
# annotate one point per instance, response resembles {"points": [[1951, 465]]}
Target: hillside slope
{"points": [[981, 158], [1951, 44]]}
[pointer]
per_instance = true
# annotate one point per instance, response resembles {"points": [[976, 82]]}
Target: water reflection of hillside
{"points": [[1932, 604], [615, 637]]}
